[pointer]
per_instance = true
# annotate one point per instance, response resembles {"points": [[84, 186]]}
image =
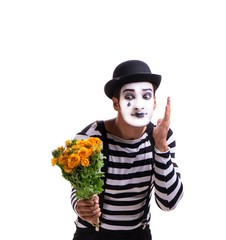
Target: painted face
{"points": [[137, 103]]}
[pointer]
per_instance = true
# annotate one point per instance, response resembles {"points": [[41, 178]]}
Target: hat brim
{"points": [[114, 83]]}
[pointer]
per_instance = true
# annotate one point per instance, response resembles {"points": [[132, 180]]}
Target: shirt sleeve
{"points": [[168, 187], [73, 199]]}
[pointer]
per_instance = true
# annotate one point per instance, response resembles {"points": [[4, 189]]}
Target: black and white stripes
{"points": [[133, 168]]}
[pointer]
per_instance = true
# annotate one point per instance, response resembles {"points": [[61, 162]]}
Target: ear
{"points": [[115, 103], [155, 103]]}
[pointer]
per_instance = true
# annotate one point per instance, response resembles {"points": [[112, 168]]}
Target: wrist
{"points": [[162, 149]]}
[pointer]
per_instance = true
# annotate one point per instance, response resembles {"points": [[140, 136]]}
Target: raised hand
{"points": [[161, 129]]}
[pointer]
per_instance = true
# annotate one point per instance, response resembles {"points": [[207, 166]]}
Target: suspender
{"points": [[150, 128], [101, 128]]}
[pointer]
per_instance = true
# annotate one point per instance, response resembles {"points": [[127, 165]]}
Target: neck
{"points": [[123, 130]]}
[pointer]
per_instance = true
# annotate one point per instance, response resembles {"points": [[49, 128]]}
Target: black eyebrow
{"points": [[132, 90], [147, 89]]}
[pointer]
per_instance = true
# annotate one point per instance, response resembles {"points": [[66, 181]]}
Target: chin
{"points": [[139, 124]]}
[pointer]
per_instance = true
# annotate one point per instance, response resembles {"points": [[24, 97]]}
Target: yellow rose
{"points": [[85, 152], [68, 143], [63, 160], [85, 162], [67, 169], [54, 161], [73, 160]]}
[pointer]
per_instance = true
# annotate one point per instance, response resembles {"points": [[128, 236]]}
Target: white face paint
{"points": [[137, 103]]}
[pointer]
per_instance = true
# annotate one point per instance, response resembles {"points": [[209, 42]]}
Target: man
{"points": [[140, 160]]}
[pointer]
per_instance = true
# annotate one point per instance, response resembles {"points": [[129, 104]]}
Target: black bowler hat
{"points": [[128, 72]]}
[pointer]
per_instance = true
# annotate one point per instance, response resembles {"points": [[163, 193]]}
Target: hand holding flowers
{"points": [[80, 162]]}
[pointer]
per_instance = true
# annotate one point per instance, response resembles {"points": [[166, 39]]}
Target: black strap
{"points": [[150, 128], [102, 129]]}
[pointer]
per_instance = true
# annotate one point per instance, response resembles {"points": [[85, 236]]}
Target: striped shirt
{"points": [[135, 171]]}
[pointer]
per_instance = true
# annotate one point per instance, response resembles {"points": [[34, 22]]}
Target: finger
{"points": [[86, 202], [168, 100], [167, 110], [89, 214], [96, 199], [88, 211], [159, 122], [89, 208]]}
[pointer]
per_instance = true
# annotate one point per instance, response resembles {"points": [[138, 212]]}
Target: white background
{"points": [[55, 57]]}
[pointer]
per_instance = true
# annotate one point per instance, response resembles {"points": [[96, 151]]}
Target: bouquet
{"points": [[80, 162]]}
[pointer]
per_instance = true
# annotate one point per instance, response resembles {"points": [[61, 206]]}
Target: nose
{"points": [[138, 104]]}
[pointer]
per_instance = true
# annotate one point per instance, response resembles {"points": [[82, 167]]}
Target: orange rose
{"points": [[85, 162]]}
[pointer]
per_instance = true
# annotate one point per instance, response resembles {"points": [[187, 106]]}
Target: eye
{"points": [[129, 96], [147, 96]]}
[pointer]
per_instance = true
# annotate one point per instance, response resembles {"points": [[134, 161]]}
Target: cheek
{"points": [[125, 104], [150, 104]]}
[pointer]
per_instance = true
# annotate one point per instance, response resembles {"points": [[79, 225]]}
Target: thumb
{"points": [[159, 122], [96, 199]]}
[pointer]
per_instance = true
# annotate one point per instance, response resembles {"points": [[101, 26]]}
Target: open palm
{"points": [[161, 129]]}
